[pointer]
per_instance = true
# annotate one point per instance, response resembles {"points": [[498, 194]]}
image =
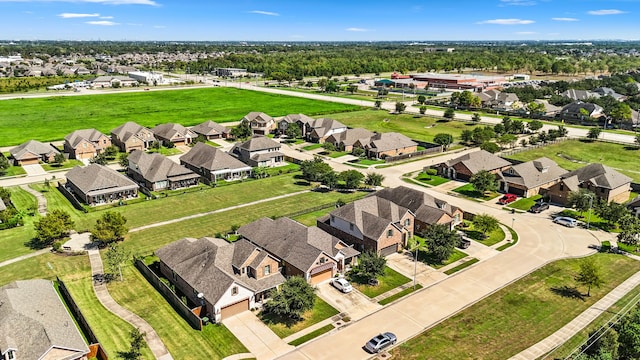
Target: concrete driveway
{"points": [[256, 336], [356, 304], [34, 170], [404, 264]]}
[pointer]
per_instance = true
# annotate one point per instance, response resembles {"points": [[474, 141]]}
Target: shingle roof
{"points": [[125, 131], [32, 147], [534, 173], [257, 143], [170, 130], [600, 175], [33, 321], [258, 116], [390, 141], [91, 135], [292, 118], [425, 207], [479, 160], [209, 127], [156, 167], [324, 125], [94, 178], [634, 203], [350, 136], [574, 108], [371, 215], [210, 158]]}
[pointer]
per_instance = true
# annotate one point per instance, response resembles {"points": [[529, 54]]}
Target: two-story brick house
{"points": [[85, 143]]}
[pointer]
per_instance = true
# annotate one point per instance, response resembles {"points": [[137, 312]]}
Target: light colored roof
{"points": [[371, 215], [157, 167], [210, 158], [600, 175], [98, 178], [32, 147], [390, 141], [324, 125], [209, 127], [479, 160], [574, 108], [35, 322], [127, 130], [579, 94], [350, 136], [171, 130], [534, 173], [292, 118], [426, 208], [258, 116], [90, 135], [258, 143]]}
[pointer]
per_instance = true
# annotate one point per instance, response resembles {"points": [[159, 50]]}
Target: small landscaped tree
{"points": [[594, 133], [352, 178], [490, 147], [535, 125], [110, 152], [314, 170], [293, 299], [400, 107], [443, 139], [582, 199], [485, 223], [4, 164], [440, 241], [377, 104], [135, 349], [293, 131], [110, 227], [374, 179], [611, 212], [115, 257], [59, 159], [590, 274], [54, 226], [370, 266], [421, 99], [100, 159], [242, 131], [330, 179], [484, 181], [123, 160], [423, 110], [475, 117], [449, 114]]}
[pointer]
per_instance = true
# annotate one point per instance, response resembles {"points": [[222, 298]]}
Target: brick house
{"points": [[605, 182], [465, 166], [85, 143], [131, 136]]}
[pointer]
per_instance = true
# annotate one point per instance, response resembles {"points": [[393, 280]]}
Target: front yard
{"points": [[390, 280], [470, 192], [492, 238], [65, 165], [525, 204], [285, 327], [431, 180]]}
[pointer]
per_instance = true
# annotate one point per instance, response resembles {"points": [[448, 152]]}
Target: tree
{"points": [[352, 178], [330, 179], [440, 241], [611, 212], [135, 349], [449, 114], [54, 226], [485, 223], [475, 117], [315, 170], [594, 133], [374, 179], [490, 147], [637, 140], [590, 274], [621, 112], [115, 257], [443, 139], [331, 86], [482, 134], [259, 172], [59, 159], [123, 160], [400, 107], [421, 99], [582, 199], [423, 110], [4, 164], [536, 108], [110, 227], [293, 299], [507, 139], [484, 181], [535, 125], [293, 131], [110, 152], [198, 139], [242, 131], [370, 266], [377, 104], [466, 136], [629, 230], [100, 159]]}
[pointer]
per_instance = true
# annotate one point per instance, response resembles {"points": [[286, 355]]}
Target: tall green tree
{"points": [[110, 227], [314, 170], [370, 266], [443, 139], [582, 200], [484, 181], [352, 178], [485, 223], [53, 226], [440, 241], [242, 131], [293, 131], [293, 299], [449, 113], [590, 274]]}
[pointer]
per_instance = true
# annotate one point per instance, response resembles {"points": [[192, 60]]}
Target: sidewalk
{"points": [[42, 200], [150, 336]]}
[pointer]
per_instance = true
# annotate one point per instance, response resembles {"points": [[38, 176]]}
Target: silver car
{"points": [[342, 285], [566, 221], [380, 342]]}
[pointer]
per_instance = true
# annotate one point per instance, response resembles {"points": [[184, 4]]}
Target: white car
{"points": [[342, 285], [566, 221]]}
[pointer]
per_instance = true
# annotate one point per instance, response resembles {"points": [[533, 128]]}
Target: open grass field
{"points": [[321, 311], [419, 128], [573, 154], [519, 315], [12, 240], [52, 118]]}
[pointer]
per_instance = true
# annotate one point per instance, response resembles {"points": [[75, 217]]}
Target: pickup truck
{"points": [[507, 198]]}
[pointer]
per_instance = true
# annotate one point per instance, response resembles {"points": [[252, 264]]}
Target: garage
{"points": [[389, 250], [321, 273], [234, 309], [29, 161]]}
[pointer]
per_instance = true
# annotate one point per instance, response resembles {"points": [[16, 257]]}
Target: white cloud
{"points": [[102, 23], [507, 22], [110, 2], [76, 15], [269, 13], [355, 29], [564, 19], [606, 12], [519, 2]]}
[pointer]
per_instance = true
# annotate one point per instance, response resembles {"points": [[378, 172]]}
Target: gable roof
{"points": [[426, 208], [206, 264], [33, 321], [598, 175], [574, 108], [350, 136], [97, 179], [258, 143], [260, 117], [580, 94], [292, 118], [157, 167], [210, 158], [32, 147], [90, 135], [127, 130], [389, 141], [534, 173], [634, 203], [210, 128], [479, 160], [171, 130], [324, 125], [371, 215]]}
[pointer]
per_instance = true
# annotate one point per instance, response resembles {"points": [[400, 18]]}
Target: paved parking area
{"points": [[256, 336], [356, 304]]}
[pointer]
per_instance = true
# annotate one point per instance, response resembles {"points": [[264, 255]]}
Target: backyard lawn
{"points": [[284, 327], [573, 154], [519, 315], [12, 240], [25, 119], [390, 280]]}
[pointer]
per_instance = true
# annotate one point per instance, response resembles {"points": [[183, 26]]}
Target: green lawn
{"points": [[166, 151], [312, 147], [65, 165], [13, 171], [312, 335], [397, 296], [419, 128], [285, 327], [464, 265], [455, 256], [12, 240], [137, 295], [25, 119], [390, 280], [309, 219], [525, 204], [369, 162], [519, 315], [573, 154], [431, 180], [492, 238], [469, 191]]}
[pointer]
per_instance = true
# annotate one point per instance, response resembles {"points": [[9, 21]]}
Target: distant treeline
{"points": [[22, 84]]}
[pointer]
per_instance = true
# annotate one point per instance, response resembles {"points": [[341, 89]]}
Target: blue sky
{"points": [[325, 20]]}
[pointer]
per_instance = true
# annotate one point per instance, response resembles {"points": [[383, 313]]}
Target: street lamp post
{"points": [[415, 268], [589, 215]]}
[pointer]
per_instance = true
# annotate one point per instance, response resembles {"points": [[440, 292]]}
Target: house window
{"points": [[267, 269], [407, 222], [561, 187], [11, 355], [234, 290], [389, 232], [351, 227], [322, 260], [602, 190], [242, 270]]}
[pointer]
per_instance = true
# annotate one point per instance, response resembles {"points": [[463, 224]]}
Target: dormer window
{"points": [[11, 354], [234, 290], [390, 233], [267, 270], [407, 222]]}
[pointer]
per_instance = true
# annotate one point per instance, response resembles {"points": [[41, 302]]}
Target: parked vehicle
{"points": [[380, 342], [342, 285], [464, 242], [507, 198], [539, 207], [566, 221]]}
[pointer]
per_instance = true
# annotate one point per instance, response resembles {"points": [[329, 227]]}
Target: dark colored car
{"points": [[507, 198], [380, 342], [464, 243], [539, 207]]}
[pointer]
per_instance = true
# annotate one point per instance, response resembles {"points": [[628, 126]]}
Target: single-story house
{"points": [[373, 224], [381, 145], [580, 95], [605, 182], [531, 178], [131, 136], [211, 130], [35, 323], [32, 152], [303, 251], [499, 100], [108, 81], [223, 278], [299, 119], [97, 184], [214, 164], [427, 209], [156, 172], [606, 91], [580, 110], [346, 139], [260, 123], [259, 151], [319, 129], [85, 143], [465, 166], [173, 133]]}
